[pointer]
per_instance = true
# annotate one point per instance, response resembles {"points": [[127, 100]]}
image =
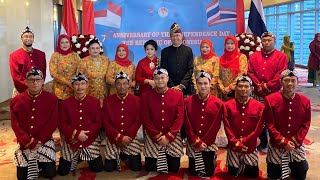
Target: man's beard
{"points": [[27, 45]]}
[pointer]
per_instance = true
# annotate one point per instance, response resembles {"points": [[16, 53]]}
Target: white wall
{"points": [[15, 15]]}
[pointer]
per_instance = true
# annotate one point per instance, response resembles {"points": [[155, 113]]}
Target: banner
{"points": [[135, 22]]}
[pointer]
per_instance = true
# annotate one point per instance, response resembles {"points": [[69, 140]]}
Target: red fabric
{"points": [[123, 118], [240, 17], [59, 50], [171, 102], [80, 115], [314, 57], [267, 69], [44, 110], [21, 62], [246, 117], [230, 59], [123, 61], [68, 23], [88, 26], [143, 72], [211, 54], [203, 118], [277, 113]]}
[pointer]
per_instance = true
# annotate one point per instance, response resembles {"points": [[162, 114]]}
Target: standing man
{"points": [[264, 69], [162, 117], [121, 122], [79, 125], [204, 114], [177, 59], [243, 124], [34, 116], [288, 118], [23, 59]]}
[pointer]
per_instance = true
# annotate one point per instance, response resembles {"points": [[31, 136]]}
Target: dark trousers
{"points": [[173, 164], [64, 167], [134, 163], [48, 170], [249, 171], [264, 138], [298, 170], [209, 159]]}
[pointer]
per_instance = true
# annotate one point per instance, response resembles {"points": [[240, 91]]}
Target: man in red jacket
{"points": [[79, 125], [264, 69], [203, 118], [34, 116], [23, 59], [162, 116], [288, 118], [121, 122], [243, 124]]}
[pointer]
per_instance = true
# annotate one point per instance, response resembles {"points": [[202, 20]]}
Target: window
{"points": [[272, 10], [271, 24], [300, 20], [295, 35], [283, 8], [282, 29], [308, 30], [295, 6], [309, 4]]}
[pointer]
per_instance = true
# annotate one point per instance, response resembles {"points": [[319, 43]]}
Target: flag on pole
{"points": [[68, 25], [256, 21], [217, 15], [110, 17], [88, 26], [240, 17]]}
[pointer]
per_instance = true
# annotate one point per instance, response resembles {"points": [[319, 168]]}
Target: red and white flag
{"points": [[110, 17], [68, 24], [88, 26]]}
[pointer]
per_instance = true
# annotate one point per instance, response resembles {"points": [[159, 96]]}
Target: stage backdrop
{"points": [[133, 22]]}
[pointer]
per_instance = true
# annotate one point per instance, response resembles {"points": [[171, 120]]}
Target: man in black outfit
{"points": [[177, 59]]}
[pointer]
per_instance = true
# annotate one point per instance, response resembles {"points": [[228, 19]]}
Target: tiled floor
{"points": [[8, 144]]}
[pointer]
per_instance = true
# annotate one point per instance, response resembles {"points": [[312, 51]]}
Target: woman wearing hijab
{"points": [[121, 63], [63, 67], [288, 48], [232, 65], [209, 63], [314, 61], [146, 67], [95, 68]]}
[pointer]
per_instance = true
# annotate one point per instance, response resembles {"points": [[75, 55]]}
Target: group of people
{"points": [[179, 97]]}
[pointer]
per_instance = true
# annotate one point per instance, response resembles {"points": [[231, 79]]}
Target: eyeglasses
{"points": [[34, 80]]}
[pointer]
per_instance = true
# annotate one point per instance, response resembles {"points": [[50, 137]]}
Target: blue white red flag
{"points": [[256, 21], [217, 15]]}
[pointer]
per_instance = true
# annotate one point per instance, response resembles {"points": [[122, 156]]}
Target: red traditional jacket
{"points": [[34, 117], [121, 117], [243, 123], [144, 72], [21, 62], [84, 114], [267, 68], [202, 119], [162, 113], [287, 119]]}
